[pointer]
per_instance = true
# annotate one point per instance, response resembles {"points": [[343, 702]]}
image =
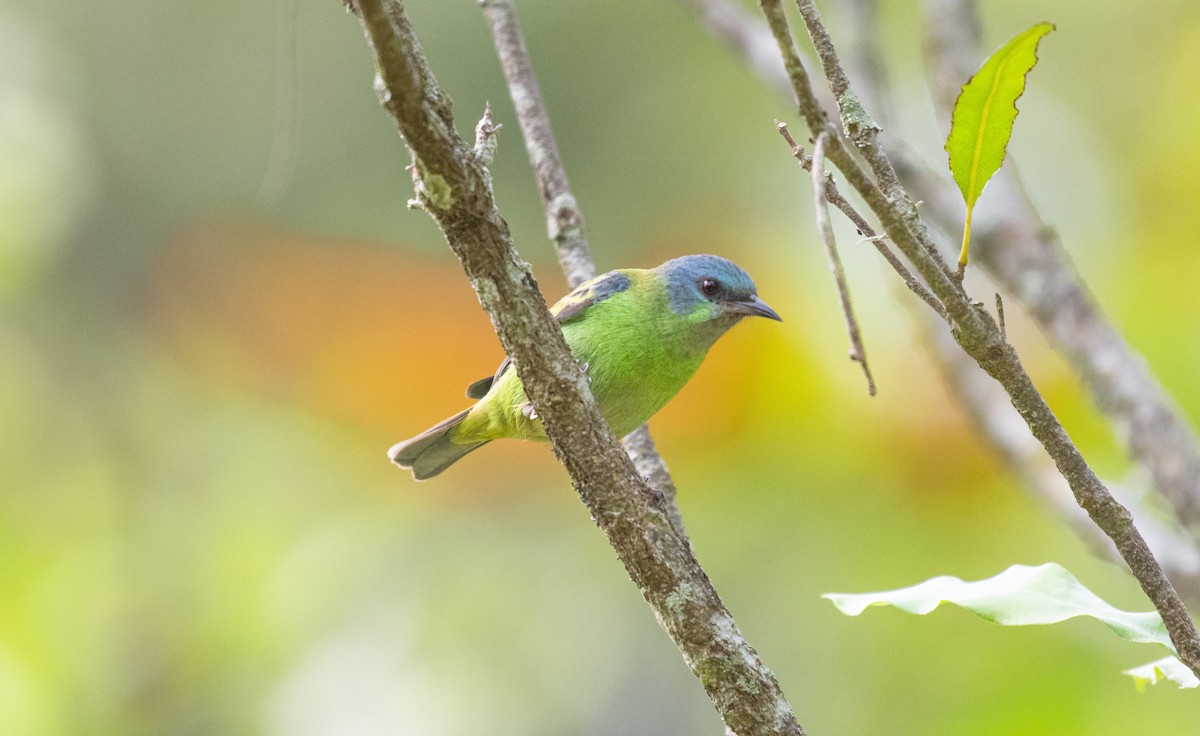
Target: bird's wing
{"points": [[588, 293], [566, 309]]}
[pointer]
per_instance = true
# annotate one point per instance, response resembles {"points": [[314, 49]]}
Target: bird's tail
{"points": [[432, 451]]}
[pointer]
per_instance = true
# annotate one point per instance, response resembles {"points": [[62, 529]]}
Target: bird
{"points": [[638, 334]]}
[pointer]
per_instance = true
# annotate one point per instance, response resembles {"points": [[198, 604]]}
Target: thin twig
{"points": [[565, 223], [564, 220], [798, 83], [1000, 317], [835, 198], [858, 353], [456, 192]]}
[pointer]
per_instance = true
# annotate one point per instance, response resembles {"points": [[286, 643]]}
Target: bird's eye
{"points": [[709, 287]]}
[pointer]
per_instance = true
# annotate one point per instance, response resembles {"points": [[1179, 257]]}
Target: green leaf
{"points": [[1169, 668], [1024, 596], [983, 117]]}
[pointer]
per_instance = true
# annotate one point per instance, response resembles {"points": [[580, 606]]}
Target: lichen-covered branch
{"points": [[861, 129], [454, 188], [977, 333], [565, 223]]}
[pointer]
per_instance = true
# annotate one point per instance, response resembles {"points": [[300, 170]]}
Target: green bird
{"points": [[639, 334]]}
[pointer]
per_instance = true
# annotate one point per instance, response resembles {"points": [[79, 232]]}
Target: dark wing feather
{"points": [[569, 307], [588, 293], [480, 388]]}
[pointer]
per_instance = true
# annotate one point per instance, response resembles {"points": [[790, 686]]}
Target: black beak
{"points": [[753, 307]]}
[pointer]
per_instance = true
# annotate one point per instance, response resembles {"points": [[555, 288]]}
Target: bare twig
{"points": [[456, 192], [835, 198], [789, 76], [858, 353], [564, 219], [977, 334], [796, 76], [1000, 317]]}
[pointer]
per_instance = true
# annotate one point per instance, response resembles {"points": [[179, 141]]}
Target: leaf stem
{"points": [[966, 240]]}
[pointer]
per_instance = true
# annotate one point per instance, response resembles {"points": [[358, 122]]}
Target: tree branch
{"points": [[455, 189], [1028, 260], [978, 336], [990, 411], [565, 223], [1115, 374], [564, 220], [861, 129]]}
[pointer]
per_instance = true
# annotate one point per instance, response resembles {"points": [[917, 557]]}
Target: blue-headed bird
{"points": [[639, 334]]}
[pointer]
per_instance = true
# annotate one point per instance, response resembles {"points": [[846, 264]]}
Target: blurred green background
{"points": [[206, 349]]}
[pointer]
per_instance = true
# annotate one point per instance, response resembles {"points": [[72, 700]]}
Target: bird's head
{"points": [[712, 291]]}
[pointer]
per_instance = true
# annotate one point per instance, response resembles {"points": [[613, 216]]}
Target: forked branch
{"points": [[973, 329]]}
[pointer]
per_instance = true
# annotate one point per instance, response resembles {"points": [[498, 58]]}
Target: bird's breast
{"points": [[635, 372]]}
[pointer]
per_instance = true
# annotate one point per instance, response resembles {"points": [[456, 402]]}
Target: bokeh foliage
{"points": [[199, 532]]}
